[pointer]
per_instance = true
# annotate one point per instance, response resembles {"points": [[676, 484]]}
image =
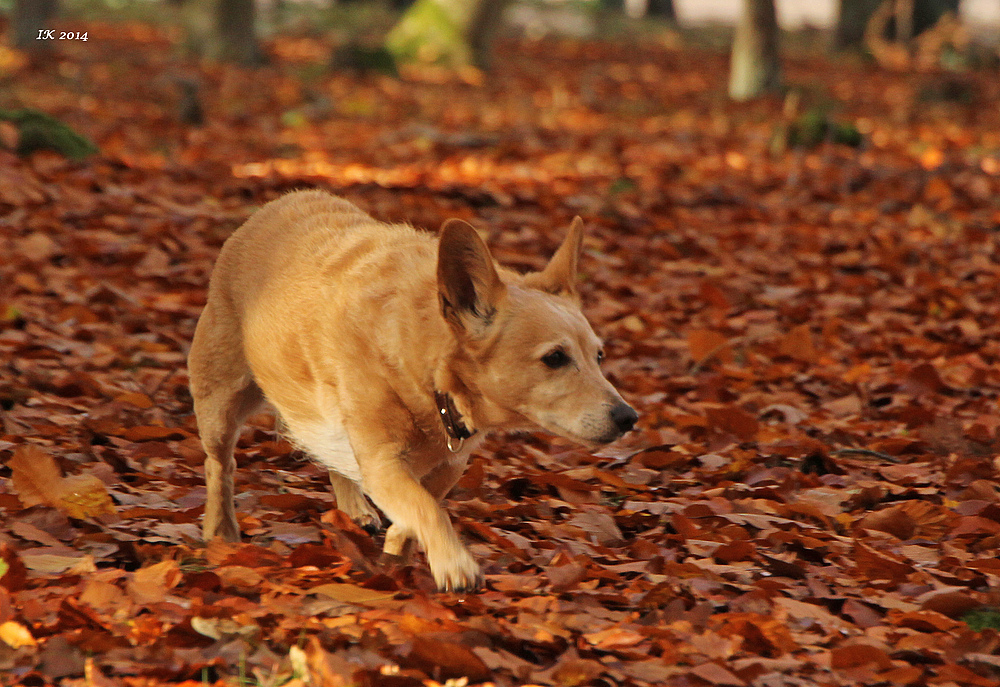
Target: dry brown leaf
{"points": [[240, 577], [448, 659], [57, 562], [733, 420], [151, 584], [37, 480], [83, 496], [351, 593], [16, 635], [703, 343], [614, 638], [717, 675], [797, 344], [103, 596], [34, 474], [858, 654]]}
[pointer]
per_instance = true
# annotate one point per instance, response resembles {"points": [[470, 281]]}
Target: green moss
{"points": [[39, 131], [983, 618], [428, 33]]}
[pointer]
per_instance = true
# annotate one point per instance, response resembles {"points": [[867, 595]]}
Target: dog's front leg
{"points": [[415, 513], [438, 482]]}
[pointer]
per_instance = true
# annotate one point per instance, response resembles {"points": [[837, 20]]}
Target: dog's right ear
{"points": [[468, 284]]}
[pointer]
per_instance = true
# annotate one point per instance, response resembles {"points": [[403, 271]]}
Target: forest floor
{"points": [[811, 336]]}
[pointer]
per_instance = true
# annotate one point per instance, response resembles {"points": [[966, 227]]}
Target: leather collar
{"points": [[451, 418]]}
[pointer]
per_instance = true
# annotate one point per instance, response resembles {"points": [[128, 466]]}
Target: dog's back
{"points": [[310, 240], [311, 284]]}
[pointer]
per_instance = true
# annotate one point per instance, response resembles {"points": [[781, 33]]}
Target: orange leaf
{"points": [[878, 566], [951, 602], [937, 189], [34, 474], [857, 373], [713, 295], [153, 433], [717, 675], [82, 496], [16, 635], [614, 638], [449, 659], [37, 480], [150, 584], [855, 655], [706, 342], [797, 344], [893, 520], [351, 593], [136, 399], [927, 621], [733, 420]]}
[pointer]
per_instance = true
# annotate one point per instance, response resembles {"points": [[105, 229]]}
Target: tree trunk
{"points": [[482, 30], [755, 68], [902, 19], [851, 22], [895, 23], [662, 9], [237, 32], [28, 20]]}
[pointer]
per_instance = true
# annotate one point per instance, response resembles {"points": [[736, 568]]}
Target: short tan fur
{"points": [[354, 330]]}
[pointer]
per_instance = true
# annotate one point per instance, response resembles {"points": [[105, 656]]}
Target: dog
{"points": [[388, 354]]}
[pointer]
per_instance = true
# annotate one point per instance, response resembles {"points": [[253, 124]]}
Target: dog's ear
{"points": [[469, 287], [559, 276]]}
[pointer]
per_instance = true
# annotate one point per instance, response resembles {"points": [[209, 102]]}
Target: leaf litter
{"points": [[810, 336]]}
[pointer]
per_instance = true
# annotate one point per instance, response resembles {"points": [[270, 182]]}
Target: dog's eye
{"points": [[556, 359], [600, 356]]}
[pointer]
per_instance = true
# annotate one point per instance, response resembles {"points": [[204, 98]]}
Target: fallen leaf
{"points": [[857, 654], [717, 675], [37, 480], [16, 635], [703, 343], [351, 593]]}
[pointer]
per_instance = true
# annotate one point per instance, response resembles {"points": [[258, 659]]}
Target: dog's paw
{"points": [[459, 573], [363, 515], [227, 529], [370, 523], [396, 541]]}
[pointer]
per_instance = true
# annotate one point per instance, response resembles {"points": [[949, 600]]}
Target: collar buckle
{"points": [[454, 427]]}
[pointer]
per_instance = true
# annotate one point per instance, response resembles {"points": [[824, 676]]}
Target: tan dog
{"points": [[388, 353]]}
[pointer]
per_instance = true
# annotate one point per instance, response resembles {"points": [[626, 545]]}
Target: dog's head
{"points": [[526, 355]]}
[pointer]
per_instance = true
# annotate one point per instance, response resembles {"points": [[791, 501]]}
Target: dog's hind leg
{"points": [[353, 503], [224, 394]]}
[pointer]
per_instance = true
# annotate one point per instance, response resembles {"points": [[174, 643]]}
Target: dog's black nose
{"points": [[624, 417]]}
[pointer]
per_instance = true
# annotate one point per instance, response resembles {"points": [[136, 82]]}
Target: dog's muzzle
{"points": [[624, 417]]}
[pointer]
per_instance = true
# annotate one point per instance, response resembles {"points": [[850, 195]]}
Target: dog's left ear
{"points": [[559, 276], [469, 287]]}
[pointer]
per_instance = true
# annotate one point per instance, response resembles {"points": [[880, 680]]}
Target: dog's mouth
{"points": [[588, 442]]}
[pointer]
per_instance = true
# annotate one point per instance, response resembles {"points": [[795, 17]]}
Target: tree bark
{"points": [[662, 9], [852, 19], [28, 19], [236, 30], [755, 68], [900, 20], [482, 30]]}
